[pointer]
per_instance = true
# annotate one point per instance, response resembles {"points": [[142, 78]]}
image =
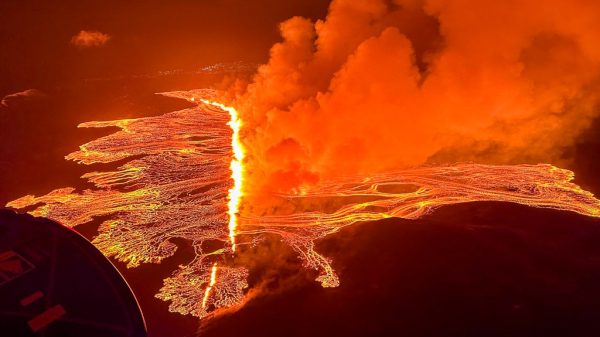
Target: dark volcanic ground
{"points": [[480, 269]]}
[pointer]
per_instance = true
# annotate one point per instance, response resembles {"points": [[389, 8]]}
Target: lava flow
{"points": [[177, 183]]}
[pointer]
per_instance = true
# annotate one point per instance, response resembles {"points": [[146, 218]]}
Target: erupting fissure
{"points": [[178, 184], [237, 172], [213, 280]]}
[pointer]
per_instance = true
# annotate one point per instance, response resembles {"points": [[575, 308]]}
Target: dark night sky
{"points": [[482, 269]]}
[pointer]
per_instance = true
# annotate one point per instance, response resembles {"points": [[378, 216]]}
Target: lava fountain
{"points": [[237, 174], [183, 178]]}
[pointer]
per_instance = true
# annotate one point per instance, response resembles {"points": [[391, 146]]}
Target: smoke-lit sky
{"points": [[476, 270], [145, 36]]}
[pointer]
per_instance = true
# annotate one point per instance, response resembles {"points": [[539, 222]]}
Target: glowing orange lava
{"points": [[235, 193], [176, 183], [213, 280]]}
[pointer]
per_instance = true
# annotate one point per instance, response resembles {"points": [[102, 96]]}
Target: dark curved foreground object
{"points": [[53, 282]]}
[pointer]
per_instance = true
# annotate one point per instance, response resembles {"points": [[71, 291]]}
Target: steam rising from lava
{"points": [[382, 85], [336, 127]]}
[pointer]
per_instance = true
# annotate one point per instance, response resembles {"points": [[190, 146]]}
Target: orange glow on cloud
{"points": [[381, 85], [87, 38]]}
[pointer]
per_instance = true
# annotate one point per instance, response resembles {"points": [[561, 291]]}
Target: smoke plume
{"points": [[382, 85]]}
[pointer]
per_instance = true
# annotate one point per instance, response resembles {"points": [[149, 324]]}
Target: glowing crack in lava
{"points": [[177, 183], [213, 280]]}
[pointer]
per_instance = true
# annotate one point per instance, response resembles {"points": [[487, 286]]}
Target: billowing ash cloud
{"points": [[382, 85], [8, 100], [90, 38]]}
